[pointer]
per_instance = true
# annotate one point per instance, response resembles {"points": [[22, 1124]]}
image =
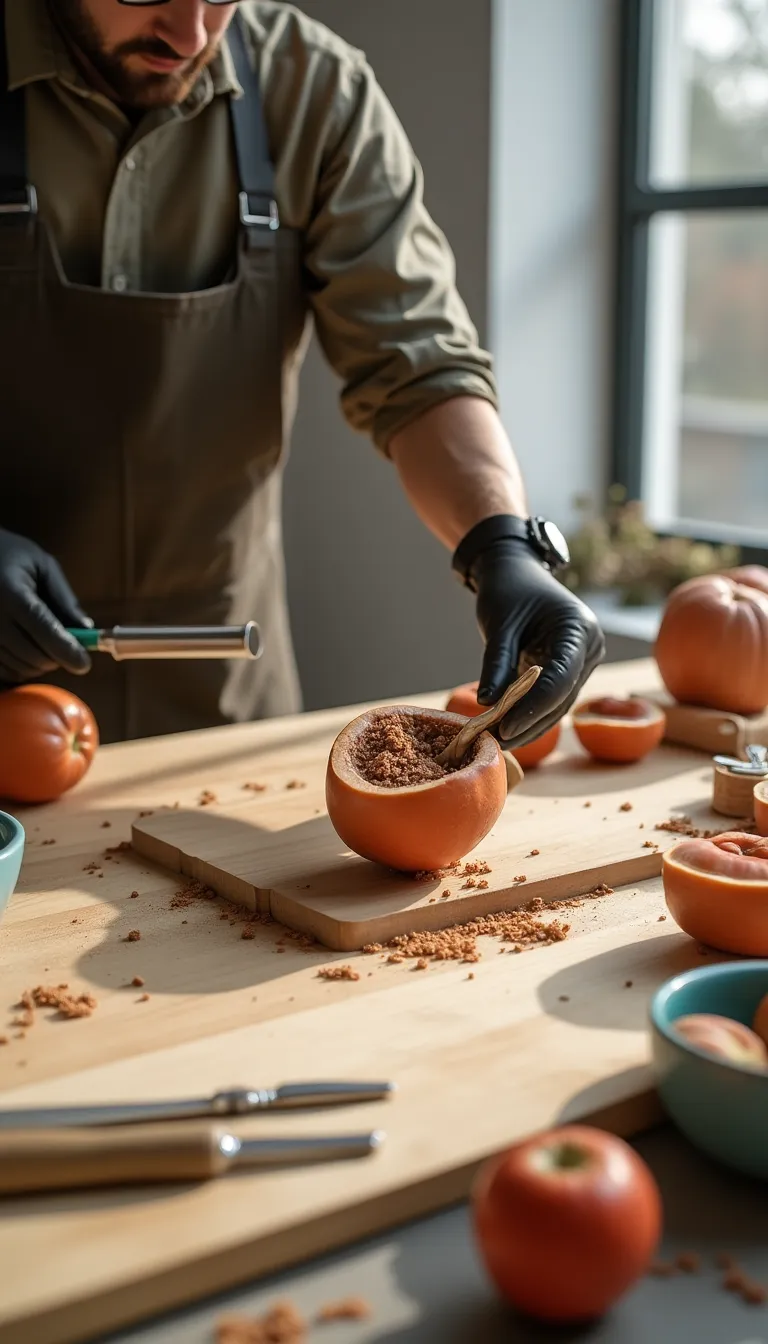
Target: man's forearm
{"points": [[457, 467]]}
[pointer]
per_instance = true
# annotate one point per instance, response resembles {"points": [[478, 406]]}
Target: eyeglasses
{"points": [[165, 2]]}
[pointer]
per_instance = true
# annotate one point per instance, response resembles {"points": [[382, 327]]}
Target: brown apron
{"points": [[142, 438]]}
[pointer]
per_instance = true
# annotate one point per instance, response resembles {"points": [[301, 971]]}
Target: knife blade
{"points": [[235, 1101]]}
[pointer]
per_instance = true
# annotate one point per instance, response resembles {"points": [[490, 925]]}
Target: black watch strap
{"points": [[483, 535]]}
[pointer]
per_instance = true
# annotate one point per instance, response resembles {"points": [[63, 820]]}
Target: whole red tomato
{"points": [[48, 739], [566, 1222]]}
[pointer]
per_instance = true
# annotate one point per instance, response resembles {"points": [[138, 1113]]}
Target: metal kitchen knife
{"points": [[139, 1155], [173, 641], [236, 1101]]}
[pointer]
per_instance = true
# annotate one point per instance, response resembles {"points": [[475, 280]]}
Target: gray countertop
{"points": [[424, 1283]]}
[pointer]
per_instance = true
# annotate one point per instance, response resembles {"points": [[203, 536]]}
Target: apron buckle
{"points": [[251, 219], [21, 202]]}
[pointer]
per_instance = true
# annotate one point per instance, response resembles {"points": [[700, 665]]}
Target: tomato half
{"points": [[48, 738]]}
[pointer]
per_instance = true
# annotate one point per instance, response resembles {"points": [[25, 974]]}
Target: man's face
{"points": [[147, 55]]}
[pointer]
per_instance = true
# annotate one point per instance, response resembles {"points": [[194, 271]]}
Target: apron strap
{"points": [[18, 200], [258, 207]]}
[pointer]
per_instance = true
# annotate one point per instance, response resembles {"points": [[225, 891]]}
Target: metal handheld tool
{"points": [[174, 641], [138, 1155], [237, 1101], [756, 764]]}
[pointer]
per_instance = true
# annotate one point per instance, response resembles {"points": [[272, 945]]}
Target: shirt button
{"points": [[119, 283], [130, 164]]}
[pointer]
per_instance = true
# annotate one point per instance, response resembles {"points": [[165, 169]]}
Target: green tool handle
{"points": [[88, 638]]}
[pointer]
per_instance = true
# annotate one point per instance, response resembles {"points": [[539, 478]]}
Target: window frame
{"points": [[638, 203]]}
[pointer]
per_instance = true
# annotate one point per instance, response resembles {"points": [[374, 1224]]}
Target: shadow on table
{"points": [[577, 993], [187, 945]]}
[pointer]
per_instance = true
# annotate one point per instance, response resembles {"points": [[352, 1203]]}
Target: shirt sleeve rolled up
{"points": [[382, 276]]}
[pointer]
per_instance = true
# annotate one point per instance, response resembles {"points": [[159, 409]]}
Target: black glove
{"points": [[36, 603], [527, 617]]}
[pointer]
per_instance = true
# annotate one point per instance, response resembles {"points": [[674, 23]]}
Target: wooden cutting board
{"points": [[571, 825], [481, 1055]]}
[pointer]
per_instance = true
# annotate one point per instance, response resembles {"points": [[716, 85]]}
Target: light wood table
{"points": [[222, 1010]]}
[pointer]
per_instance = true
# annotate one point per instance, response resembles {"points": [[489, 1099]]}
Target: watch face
{"points": [[555, 541]]}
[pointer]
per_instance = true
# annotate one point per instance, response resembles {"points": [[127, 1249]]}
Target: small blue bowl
{"points": [[11, 854], [721, 1108]]}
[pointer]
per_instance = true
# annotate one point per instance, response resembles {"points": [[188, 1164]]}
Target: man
{"points": [[183, 185]]}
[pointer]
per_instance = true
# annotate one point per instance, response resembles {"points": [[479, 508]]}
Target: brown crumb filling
{"points": [[395, 751]]}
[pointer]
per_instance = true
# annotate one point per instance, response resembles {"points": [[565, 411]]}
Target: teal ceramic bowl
{"points": [[721, 1108], [11, 854]]}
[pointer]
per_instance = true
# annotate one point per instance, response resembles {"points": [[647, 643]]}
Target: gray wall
{"points": [[375, 610]]}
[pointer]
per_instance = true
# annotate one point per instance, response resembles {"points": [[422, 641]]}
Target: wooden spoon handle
{"points": [[459, 746]]}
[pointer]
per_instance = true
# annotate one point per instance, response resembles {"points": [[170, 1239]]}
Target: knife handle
{"points": [[61, 1159]]}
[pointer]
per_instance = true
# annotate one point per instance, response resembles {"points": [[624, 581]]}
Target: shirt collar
{"points": [[37, 51]]}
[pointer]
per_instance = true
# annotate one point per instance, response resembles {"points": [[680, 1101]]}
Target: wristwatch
{"points": [[544, 538]]}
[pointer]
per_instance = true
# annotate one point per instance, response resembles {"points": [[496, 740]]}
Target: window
{"points": [[691, 404]]}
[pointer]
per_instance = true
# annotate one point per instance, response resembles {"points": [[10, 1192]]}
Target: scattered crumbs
{"points": [[248, 932], [534, 854], [74, 921], [253, 787], [137, 981], [206, 798], [133, 936], [649, 844], [105, 825], [661, 919], [477, 868], [628, 984], [625, 807], [223, 915], [185, 921], [4, 1040], [432, 900], [148, 812], [143, 998], [99, 874], [122, 848], [688, 1261], [20, 1035], [134, 895], [190, 893], [92, 867], [470, 882], [58, 996], [563, 998], [471, 975], [47, 842], [662, 1269], [371, 949], [734, 1280], [444, 895], [394, 958], [754, 1294], [421, 964], [641, 827], [338, 973], [587, 804], [683, 826], [295, 784], [282, 1324], [350, 1309], [349, 977], [521, 878], [482, 884]]}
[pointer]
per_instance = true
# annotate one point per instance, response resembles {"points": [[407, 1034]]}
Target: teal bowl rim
{"points": [[18, 836], [722, 971]]}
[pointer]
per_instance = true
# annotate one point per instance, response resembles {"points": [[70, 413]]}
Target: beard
{"points": [[131, 88]]}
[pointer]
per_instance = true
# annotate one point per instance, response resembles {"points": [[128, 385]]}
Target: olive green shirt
{"points": [[153, 206]]}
